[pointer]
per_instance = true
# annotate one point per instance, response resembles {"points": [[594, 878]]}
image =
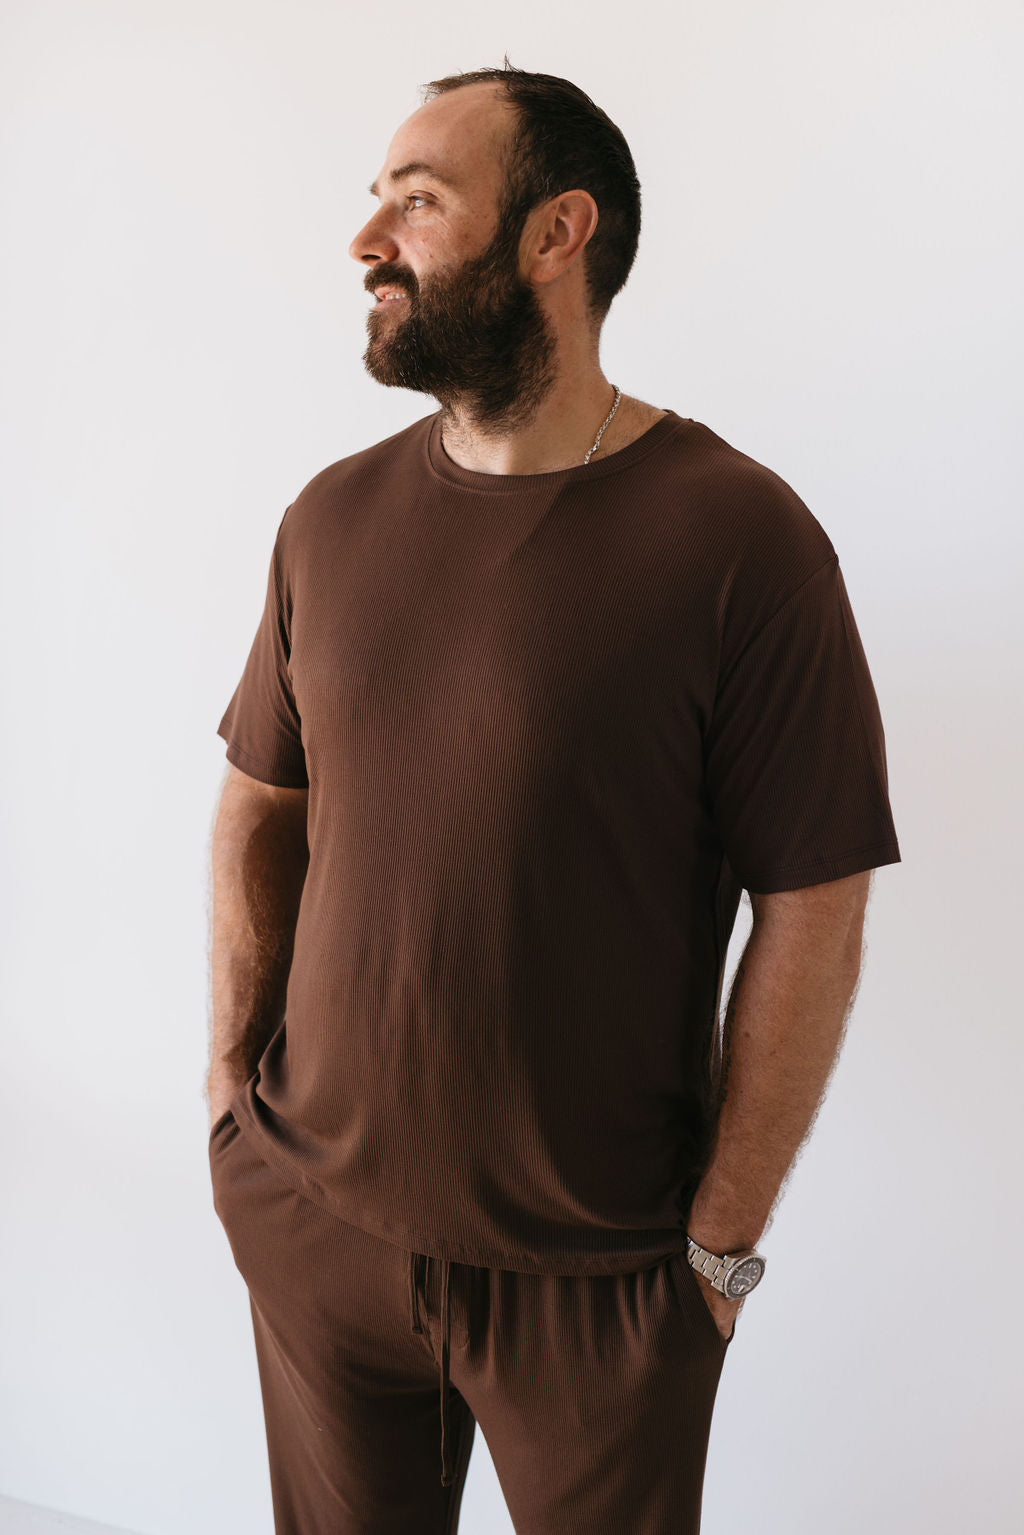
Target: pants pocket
{"points": [[691, 1296]]}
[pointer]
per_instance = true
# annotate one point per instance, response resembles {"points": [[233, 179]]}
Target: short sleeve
{"points": [[795, 751], [261, 724]]}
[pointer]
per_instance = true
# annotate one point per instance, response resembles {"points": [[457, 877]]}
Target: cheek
{"points": [[429, 253]]}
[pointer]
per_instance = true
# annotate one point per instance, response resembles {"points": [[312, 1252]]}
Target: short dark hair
{"points": [[562, 140]]}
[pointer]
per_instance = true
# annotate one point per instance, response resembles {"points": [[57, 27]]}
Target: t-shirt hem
{"points": [[256, 767], [515, 1260], [875, 855]]}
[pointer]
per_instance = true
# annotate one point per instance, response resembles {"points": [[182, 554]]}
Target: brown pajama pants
{"points": [[594, 1393]]}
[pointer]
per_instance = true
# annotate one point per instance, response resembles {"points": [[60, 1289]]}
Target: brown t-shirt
{"points": [[551, 725]]}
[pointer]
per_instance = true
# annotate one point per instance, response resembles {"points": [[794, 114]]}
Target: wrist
{"points": [[721, 1239], [719, 1220]]}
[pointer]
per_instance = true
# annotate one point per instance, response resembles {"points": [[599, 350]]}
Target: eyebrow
{"points": [[413, 168]]}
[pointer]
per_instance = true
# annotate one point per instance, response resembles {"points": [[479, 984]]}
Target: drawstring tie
{"points": [[417, 1326]]}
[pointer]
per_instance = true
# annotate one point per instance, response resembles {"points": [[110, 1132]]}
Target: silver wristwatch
{"points": [[735, 1274]]}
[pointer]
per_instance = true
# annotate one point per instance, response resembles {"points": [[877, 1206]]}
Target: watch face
{"points": [[744, 1277]]}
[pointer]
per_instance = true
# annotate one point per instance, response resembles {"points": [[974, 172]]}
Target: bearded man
{"points": [[543, 683]]}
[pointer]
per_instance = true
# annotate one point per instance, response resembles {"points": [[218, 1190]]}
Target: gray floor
{"points": [[29, 1519]]}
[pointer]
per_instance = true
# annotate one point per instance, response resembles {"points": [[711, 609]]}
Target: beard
{"points": [[476, 338]]}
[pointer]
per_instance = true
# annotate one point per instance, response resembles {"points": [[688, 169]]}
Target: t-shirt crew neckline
{"points": [[446, 468]]}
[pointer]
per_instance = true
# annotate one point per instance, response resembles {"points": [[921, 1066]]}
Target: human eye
{"points": [[417, 197]]}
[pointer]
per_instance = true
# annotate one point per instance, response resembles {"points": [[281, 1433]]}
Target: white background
{"points": [[828, 277]]}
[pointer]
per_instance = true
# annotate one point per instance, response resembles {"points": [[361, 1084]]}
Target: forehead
{"points": [[456, 137]]}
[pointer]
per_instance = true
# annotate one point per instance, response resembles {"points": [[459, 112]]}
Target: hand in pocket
{"points": [[723, 1310]]}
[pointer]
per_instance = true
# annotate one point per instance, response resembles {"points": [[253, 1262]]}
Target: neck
{"points": [[558, 435]]}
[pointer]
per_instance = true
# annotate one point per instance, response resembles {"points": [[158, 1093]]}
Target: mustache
{"points": [[381, 280]]}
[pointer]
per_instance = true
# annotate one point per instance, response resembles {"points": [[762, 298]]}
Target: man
{"points": [[542, 683]]}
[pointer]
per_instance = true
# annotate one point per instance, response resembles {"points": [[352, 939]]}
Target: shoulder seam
{"points": [[833, 559]]}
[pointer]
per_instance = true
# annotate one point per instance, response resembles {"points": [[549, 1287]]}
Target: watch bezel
{"points": [[736, 1260]]}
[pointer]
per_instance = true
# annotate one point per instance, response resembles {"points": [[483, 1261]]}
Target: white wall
{"points": [[829, 277]]}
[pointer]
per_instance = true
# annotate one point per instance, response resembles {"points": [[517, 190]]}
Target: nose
{"points": [[373, 243]]}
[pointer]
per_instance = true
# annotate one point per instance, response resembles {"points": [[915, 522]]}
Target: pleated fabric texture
{"points": [[595, 1393], [551, 725]]}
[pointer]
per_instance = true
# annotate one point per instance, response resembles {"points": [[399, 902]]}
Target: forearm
{"points": [[259, 865], [782, 1035]]}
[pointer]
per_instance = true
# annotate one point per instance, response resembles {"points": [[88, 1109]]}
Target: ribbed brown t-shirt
{"points": [[551, 726]]}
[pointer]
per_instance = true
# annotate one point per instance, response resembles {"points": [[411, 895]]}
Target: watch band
{"points": [[714, 1266]]}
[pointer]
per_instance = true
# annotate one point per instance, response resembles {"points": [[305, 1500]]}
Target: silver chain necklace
{"points": [[597, 439]]}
